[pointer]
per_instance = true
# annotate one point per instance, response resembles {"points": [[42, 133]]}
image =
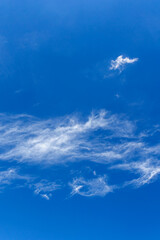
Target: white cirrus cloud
{"points": [[147, 171], [25, 139], [44, 188], [120, 62], [102, 138], [10, 176], [92, 187]]}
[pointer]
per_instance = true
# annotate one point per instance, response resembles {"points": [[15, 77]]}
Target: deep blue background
{"points": [[54, 60]]}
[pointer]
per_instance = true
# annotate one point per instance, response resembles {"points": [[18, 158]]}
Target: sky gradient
{"points": [[79, 120]]}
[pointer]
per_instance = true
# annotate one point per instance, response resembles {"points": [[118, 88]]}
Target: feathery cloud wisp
{"points": [[120, 62], [101, 138], [92, 187], [25, 139], [10, 176], [147, 170], [44, 188]]}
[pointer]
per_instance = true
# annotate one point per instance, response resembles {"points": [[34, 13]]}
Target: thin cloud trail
{"points": [[147, 170], [120, 62], [102, 138], [44, 188], [28, 140], [92, 187], [10, 176]]}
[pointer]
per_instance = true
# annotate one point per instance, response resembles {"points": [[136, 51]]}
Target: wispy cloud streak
{"points": [[120, 62], [55, 141], [102, 137], [10, 176], [147, 171], [92, 187], [44, 188]]}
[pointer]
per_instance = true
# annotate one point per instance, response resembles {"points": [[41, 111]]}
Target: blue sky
{"points": [[79, 120]]}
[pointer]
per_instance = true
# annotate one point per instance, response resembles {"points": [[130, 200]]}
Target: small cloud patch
{"points": [[120, 62]]}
